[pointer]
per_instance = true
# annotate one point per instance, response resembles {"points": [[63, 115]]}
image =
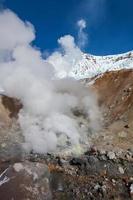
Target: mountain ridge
{"points": [[91, 66]]}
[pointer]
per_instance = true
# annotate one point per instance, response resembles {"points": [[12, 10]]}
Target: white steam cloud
{"points": [[14, 31], [82, 36], [65, 60], [56, 113]]}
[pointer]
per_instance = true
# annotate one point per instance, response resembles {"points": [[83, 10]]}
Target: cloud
{"points": [[14, 31], [82, 36], [47, 120], [82, 24], [64, 60]]}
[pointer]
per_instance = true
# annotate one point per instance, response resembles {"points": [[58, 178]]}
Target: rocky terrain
{"points": [[104, 171], [115, 93]]}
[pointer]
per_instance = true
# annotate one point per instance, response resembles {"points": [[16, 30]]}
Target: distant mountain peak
{"points": [[91, 66]]}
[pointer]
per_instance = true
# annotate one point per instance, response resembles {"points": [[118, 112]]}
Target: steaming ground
{"points": [[56, 114]]}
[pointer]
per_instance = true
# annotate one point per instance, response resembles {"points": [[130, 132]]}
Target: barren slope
{"points": [[115, 93]]}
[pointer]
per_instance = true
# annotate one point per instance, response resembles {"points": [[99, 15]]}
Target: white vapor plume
{"points": [[82, 24], [14, 31], [82, 36], [56, 113], [66, 59]]}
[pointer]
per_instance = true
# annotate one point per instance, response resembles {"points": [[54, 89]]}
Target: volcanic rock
{"points": [[25, 180]]}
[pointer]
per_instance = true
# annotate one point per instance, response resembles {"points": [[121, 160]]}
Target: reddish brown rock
{"points": [[25, 181]]}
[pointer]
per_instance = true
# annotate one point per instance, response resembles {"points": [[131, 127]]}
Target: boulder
{"points": [[25, 181]]}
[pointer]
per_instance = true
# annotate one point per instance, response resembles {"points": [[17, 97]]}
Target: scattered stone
{"points": [[129, 155], [103, 157], [121, 170], [122, 134], [113, 181], [3, 145], [111, 155], [104, 189], [131, 150], [60, 187], [131, 189], [78, 161], [102, 152], [97, 186], [119, 153], [18, 167]]}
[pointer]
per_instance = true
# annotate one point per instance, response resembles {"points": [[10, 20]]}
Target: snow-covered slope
{"points": [[91, 66]]}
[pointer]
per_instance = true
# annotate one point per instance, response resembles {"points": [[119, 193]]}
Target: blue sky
{"points": [[109, 22]]}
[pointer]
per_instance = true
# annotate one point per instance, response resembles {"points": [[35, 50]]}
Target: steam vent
{"points": [[66, 116]]}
